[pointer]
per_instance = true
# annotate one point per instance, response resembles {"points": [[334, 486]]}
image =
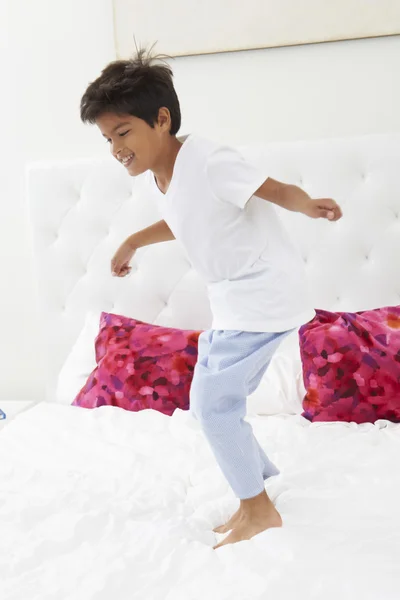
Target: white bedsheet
{"points": [[112, 505]]}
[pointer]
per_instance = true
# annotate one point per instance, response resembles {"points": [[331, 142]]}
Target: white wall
{"points": [[336, 89], [49, 51], [302, 92], [221, 25]]}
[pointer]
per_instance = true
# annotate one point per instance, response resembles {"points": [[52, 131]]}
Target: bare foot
{"points": [[229, 524], [254, 516], [248, 528]]}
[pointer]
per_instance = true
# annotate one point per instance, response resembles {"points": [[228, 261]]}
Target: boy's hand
{"points": [[322, 208], [120, 262], [294, 198]]}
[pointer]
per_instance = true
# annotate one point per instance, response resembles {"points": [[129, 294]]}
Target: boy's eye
{"points": [[120, 134]]}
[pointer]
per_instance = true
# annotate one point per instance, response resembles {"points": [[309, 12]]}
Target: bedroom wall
{"points": [[48, 52], [302, 92], [323, 90]]}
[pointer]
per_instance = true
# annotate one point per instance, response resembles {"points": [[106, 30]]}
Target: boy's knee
{"points": [[202, 403], [212, 398], [198, 406]]}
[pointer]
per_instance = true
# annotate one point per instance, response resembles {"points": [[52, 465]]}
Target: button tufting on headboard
{"points": [[82, 210]]}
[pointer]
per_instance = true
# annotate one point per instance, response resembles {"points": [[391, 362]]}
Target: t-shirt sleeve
{"points": [[232, 178]]}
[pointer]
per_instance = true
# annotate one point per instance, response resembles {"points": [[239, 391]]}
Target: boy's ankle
{"points": [[255, 504]]}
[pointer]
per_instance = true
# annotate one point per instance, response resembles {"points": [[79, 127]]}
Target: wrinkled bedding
{"points": [[108, 504]]}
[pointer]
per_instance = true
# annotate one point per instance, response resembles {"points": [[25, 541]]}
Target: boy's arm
{"points": [[158, 232], [294, 198]]}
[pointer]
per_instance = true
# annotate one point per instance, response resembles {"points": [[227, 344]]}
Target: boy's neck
{"points": [[163, 171]]}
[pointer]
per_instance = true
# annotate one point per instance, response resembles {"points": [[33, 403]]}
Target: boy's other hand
{"points": [[120, 262], [323, 208], [293, 198]]}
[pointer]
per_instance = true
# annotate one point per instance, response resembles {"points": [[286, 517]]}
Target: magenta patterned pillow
{"points": [[140, 366], [351, 366]]}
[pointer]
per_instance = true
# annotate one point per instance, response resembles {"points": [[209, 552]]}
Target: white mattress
{"points": [[110, 504]]}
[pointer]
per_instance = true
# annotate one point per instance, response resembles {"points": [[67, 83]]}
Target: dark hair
{"points": [[138, 87]]}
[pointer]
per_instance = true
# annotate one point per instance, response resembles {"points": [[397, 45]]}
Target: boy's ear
{"points": [[164, 119]]}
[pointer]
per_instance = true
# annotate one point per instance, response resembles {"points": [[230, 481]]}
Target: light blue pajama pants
{"points": [[230, 367]]}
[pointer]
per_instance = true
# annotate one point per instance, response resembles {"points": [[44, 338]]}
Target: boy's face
{"points": [[132, 141]]}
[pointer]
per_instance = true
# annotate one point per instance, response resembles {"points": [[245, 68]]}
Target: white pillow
{"points": [[281, 389], [80, 362]]}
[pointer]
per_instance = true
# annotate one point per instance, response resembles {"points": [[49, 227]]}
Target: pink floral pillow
{"points": [[351, 366], [140, 366]]}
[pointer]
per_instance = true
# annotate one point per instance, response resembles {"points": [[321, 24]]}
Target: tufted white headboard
{"points": [[82, 210]]}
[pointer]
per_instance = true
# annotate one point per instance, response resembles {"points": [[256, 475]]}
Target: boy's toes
{"points": [[221, 529], [229, 525]]}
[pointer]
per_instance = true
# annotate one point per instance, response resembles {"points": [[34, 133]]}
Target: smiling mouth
{"points": [[127, 160]]}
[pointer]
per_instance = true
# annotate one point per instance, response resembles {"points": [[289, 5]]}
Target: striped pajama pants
{"points": [[229, 368]]}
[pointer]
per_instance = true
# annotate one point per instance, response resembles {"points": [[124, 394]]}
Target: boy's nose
{"points": [[117, 152]]}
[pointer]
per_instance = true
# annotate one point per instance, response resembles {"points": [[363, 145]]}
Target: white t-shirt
{"points": [[234, 240]]}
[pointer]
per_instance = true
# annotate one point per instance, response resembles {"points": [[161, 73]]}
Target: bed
{"points": [[109, 503]]}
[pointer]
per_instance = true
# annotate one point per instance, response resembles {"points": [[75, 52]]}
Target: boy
{"points": [[219, 206]]}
